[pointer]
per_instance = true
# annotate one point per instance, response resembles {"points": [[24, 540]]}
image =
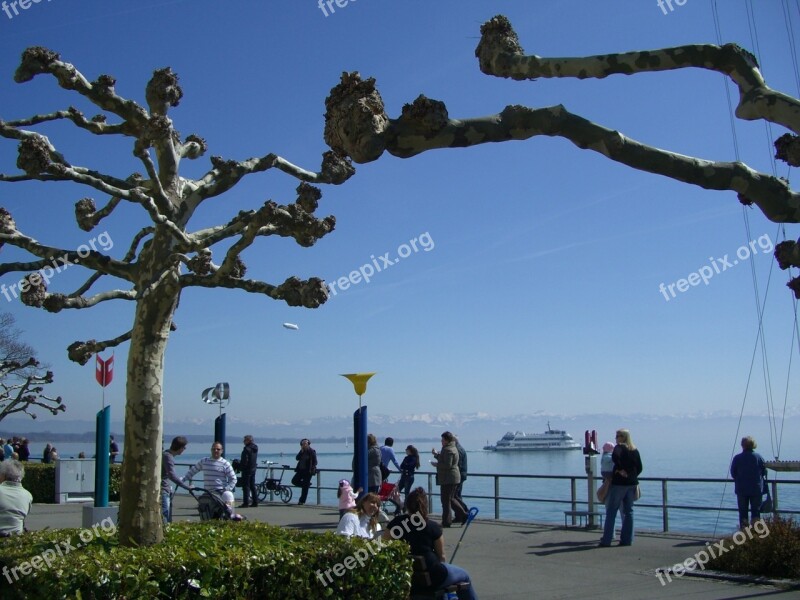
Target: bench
{"points": [[582, 516], [421, 583]]}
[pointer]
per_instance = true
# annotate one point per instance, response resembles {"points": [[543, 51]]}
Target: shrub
{"points": [[211, 559], [775, 554], [40, 481]]}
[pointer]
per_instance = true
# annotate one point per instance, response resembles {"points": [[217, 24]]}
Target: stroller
{"points": [[210, 505], [390, 494]]}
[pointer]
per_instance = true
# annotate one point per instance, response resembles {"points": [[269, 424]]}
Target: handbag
{"points": [[602, 491], [766, 505]]}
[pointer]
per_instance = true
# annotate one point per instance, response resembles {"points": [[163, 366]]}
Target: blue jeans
{"points": [[458, 575], [166, 507], [405, 483], [620, 498]]}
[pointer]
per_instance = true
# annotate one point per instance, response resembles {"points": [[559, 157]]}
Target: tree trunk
{"points": [[140, 521]]}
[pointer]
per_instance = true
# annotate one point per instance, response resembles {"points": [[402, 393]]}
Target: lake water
{"points": [[552, 495]]}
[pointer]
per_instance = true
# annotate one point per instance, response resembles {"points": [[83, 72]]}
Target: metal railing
{"points": [[572, 501], [575, 501]]}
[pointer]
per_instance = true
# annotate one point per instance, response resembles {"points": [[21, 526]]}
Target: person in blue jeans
{"points": [[748, 471], [622, 494]]}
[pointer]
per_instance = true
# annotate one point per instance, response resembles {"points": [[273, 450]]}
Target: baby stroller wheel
{"points": [[286, 494]]}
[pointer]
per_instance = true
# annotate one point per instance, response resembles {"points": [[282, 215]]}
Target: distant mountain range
{"points": [[473, 429]]}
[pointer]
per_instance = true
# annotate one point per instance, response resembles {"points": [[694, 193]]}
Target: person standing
{"points": [[248, 465], [388, 456], [748, 471], [15, 500], [306, 468], [113, 450], [168, 475], [46, 454], [622, 493], [218, 474], [449, 477], [462, 470], [407, 467], [24, 451], [8, 449], [374, 475]]}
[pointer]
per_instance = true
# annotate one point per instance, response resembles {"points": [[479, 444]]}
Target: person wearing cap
{"points": [[347, 497]]}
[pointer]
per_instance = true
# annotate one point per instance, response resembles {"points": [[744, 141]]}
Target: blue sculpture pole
{"points": [[101, 465]]}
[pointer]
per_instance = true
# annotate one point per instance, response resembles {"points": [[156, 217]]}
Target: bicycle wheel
{"points": [[286, 494], [262, 492]]}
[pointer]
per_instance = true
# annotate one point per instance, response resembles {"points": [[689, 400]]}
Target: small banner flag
{"points": [[104, 370]]}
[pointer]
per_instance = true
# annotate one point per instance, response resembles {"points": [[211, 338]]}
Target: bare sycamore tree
{"points": [[358, 126], [164, 257], [22, 377]]}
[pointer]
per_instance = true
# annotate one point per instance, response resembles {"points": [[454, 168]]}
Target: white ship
{"points": [[552, 439]]}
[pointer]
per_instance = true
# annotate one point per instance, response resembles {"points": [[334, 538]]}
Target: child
{"points": [[606, 463], [407, 467], [228, 499], [347, 497]]}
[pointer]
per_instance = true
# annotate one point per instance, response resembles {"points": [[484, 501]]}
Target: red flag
{"points": [[104, 370]]}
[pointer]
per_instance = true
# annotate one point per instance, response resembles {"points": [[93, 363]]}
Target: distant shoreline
{"points": [[89, 436]]}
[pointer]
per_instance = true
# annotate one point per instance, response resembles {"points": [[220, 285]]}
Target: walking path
{"points": [[517, 561]]}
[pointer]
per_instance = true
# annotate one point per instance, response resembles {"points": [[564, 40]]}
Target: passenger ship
{"points": [[552, 439]]}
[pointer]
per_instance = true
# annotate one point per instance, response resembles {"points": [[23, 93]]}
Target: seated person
{"points": [[15, 500], [228, 499], [363, 521], [425, 539]]}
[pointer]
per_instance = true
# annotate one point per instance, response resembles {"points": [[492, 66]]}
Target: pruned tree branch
{"points": [[500, 54]]}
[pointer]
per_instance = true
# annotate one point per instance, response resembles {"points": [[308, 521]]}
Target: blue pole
{"points": [[360, 448], [101, 464], [219, 431]]}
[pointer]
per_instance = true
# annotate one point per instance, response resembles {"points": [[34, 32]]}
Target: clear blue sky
{"points": [[539, 288]]}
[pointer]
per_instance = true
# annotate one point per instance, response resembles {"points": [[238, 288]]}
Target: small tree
{"points": [[22, 378], [357, 124], [164, 258]]}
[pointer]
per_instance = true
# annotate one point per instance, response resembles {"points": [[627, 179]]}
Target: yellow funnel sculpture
{"points": [[359, 381]]}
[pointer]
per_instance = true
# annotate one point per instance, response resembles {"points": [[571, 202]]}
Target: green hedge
{"points": [[211, 559], [40, 481]]}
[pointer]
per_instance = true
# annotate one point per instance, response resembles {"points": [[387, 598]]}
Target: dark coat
{"points": [[249, 461]]}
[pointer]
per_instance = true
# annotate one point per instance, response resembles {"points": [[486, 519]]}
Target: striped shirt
{"points": [[217, 474]]}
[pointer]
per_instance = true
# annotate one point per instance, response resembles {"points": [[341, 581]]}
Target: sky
{"points": [[526, 275]]}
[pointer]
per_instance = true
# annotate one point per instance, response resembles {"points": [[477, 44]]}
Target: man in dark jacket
{"points": [[748, 471], [248, 465]]}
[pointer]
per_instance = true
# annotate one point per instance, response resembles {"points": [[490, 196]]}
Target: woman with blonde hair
{"points": [[363, 520], [374, 476], [622, 493]]}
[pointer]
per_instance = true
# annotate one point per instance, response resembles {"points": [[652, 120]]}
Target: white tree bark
{"points": [[163, 259]]}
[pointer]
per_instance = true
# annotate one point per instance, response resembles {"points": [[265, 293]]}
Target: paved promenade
{"points": [[517, 561]]}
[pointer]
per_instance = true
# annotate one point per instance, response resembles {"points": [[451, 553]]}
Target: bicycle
{"points": [[273, 484]]}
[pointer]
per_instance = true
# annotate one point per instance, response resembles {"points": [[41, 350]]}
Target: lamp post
{"points": [[359, 381], [219, 394]]}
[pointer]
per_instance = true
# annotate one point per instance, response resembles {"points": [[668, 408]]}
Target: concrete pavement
{"points": [[516, 561]]}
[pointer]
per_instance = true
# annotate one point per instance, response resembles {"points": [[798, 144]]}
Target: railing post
{"points": [[573, 496], [496, 497], [664, 506], [319, 488]]}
